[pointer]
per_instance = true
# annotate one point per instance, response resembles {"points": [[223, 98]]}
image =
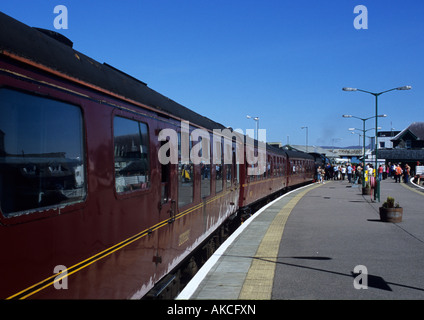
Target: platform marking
{"points": [[412, 189], [259, 280], [195, 282]]}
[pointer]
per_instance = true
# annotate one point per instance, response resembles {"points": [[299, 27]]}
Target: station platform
{"points": [[322, 241]]}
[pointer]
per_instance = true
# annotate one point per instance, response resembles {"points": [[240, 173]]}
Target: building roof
{"points": [[402, 155], [314, 149], [415, 128]]}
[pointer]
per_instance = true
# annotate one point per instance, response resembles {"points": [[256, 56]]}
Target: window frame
{"points": [[219, 187], [208, 172], [136, 118], [45, 92]]}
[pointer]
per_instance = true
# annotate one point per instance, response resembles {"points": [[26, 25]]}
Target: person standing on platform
{"points": [[343, 172], [398, 173], [406, 173], [380, 172], [349, 172], [319, 176]]}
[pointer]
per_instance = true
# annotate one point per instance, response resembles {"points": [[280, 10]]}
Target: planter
{"points": [[391, 214], [366, 191]]}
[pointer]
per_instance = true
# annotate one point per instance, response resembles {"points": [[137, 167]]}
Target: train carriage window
{"points": [[236, 166], [228, 174], [41, 153], [132, 167], [185, 176], [205, 170], [205, 185], [219, 167]]}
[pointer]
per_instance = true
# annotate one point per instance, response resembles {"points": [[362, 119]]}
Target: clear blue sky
{"points": [[283, 61]]}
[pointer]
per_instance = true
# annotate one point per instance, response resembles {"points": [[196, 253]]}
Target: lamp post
{"points": [[376, 95], [363, 130], [306, 137], [257, 125], [359, 136]]}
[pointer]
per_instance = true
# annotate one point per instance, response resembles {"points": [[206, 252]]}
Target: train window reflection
{"points": [[41, 153], [132, 168], [185, 177]]}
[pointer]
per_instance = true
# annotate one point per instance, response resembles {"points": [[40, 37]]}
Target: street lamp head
{"points": [[254, 118], [349, 89], [404, 88], [347, 116], [382, 115], [351, 129]]}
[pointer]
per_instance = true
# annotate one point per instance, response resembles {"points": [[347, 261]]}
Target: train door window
{"points": [[132, 166], [228, 162], [205, 169], [228, 174], [41, 153], [185, 177], [218, 160], [268, 166], [281, 167], [205, 174], [236, 166], [165, 179], [278, 167]]}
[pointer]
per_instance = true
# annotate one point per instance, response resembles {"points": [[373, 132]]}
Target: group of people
{"points": [[398, 172], [336, 172], [355, 173], [394, 171]]}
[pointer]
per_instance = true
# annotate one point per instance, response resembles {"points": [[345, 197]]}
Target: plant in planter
{"points": [[391, 212]]}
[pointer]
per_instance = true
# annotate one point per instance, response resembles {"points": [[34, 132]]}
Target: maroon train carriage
{"points": [[86, 208], [81, 186], [301, 168], [255, 189], [284, 169]]}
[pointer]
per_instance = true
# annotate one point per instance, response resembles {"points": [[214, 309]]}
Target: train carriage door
{"points": [[166, 200], [135, 183], [167, 204], [236, 165]]}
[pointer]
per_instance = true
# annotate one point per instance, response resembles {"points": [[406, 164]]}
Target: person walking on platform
{"points": [[336, 172], [393, 169], [398, 173], [349, 172], [380, 172], [328, 171], [406, 173], [319, 176], [359, 174]]}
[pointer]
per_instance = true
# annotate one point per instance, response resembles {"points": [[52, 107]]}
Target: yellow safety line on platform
{"points": [[412, 189], [260, 277]]}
